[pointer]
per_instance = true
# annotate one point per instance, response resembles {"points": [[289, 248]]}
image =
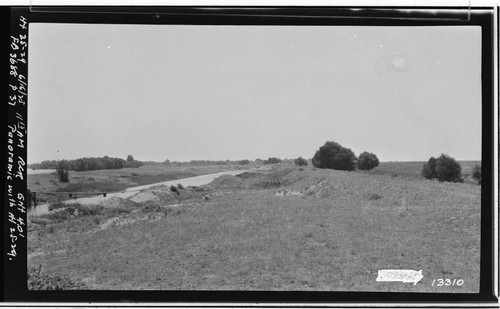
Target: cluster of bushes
{"points": [[332, 155], [272, 160], [443, 168], [244, 162]]}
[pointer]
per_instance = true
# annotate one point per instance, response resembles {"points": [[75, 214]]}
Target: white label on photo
{"points": [[403, 275]]}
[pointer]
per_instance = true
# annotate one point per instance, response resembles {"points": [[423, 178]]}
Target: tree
{"points": [[62, 170], [332, 155], [476, 173], [429, 169], [300, 161], [244, 162], [130, 158], [367, 161]]}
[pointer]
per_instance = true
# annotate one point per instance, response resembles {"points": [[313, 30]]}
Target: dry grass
{"points": [[239, 235]]}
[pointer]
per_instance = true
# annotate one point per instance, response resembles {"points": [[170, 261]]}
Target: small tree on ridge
{"points": [[62, 171]]}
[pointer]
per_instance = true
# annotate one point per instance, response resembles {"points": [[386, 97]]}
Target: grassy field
{"points": [[288, 228], [120, 179]]}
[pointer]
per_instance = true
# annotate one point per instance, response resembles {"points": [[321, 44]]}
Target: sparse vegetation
{"points": [[300, 161], [333, 156], [367, 161], [373, 196], [72, 210], [38, 280]]}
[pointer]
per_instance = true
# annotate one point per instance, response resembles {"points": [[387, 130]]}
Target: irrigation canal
{"points": [[130, 192]]}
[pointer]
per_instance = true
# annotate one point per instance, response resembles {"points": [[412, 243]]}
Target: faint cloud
{"points": [[392, 63]]}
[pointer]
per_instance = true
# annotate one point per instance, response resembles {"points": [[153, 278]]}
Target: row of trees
{"points": [[63, 167], [332, 155], [89, 164]]}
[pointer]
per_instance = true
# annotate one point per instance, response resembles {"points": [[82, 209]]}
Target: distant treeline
{"points": [[90, 164]]}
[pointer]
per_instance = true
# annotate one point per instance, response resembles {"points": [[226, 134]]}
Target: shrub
{"points": [[373, 196], [272, 160], [476, 173], [429, 169], [300, 161], [174, 189], [62, 171], [244, 162], [332, 155], [367, 161], [444, 168]]}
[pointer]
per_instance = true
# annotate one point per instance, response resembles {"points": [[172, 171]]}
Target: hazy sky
{"points": [[247, 92]]}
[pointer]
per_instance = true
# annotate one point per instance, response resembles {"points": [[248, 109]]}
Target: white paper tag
{"points": [[403, 275]]}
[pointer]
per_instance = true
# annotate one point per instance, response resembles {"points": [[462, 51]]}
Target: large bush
{"points": [[300, 161], [448, 169], [444, 168], [476, 173], [367, 161], [333, 155], [429, 169]]}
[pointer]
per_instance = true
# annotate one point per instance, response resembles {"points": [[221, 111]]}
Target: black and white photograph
{"points": [[255, 157]]}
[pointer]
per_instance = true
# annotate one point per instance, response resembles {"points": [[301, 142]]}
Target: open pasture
{"points": [[285, 229], [414, 168]]}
